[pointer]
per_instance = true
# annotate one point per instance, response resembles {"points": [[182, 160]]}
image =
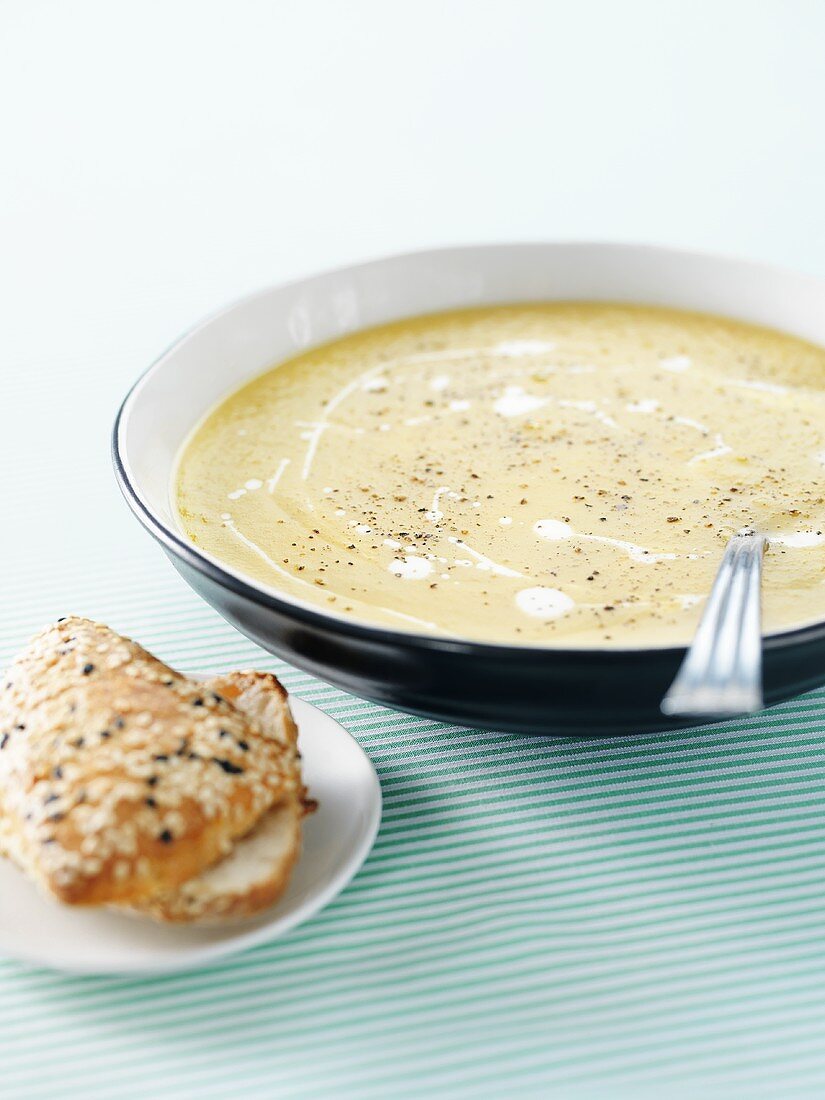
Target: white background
{"points": [[161, 158]]}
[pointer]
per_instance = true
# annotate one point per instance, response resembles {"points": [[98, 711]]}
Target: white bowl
{"points": [[520, 688]]}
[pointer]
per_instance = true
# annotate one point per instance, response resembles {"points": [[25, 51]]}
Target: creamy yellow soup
{"points": [[562, 474]]}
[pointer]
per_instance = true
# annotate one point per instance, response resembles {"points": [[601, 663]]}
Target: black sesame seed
{"points": [[217, 698], [4, 740], [152, 781], [198, 702], [227, 765], [87, 669], [151, 803], [79, 742], [62, 620], [165, 837], [50, 840], [244, 746], [160, 756], [50, 798], [193, 756], [56, 817], [168, 683], [119, 723], [105, 735], [20, 726], [223, 733], [57, 773]]}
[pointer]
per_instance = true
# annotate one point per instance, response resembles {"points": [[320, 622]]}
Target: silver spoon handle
{"points": [[722, 670]]}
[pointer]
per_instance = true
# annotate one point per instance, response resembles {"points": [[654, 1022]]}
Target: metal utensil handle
{"points": [[722, 670]]}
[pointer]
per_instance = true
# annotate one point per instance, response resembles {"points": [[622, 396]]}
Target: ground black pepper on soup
{"points": [[563, 474]]}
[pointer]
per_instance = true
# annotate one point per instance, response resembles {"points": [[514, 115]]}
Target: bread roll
{"points": [[121, 779]]}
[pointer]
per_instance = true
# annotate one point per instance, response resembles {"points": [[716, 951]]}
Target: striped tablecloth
{"points": [[642, 916]]}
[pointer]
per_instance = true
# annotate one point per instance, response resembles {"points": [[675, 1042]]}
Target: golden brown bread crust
{"points": [[257, 883], [262, 697], [212, 897], [120, 778]]}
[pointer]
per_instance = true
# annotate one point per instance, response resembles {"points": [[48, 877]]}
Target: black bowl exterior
{"points": [[518, 690]]}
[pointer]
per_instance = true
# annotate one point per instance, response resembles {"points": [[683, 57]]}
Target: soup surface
{"points": [[560, 474]]}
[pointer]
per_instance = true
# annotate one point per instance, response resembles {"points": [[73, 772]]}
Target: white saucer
{"points": [[337, 840]]}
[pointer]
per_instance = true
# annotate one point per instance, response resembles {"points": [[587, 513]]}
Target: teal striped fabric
{"points": [[642, 916]]}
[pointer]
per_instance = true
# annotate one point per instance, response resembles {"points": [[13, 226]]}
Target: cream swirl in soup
{"points": [[557, 474]]}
